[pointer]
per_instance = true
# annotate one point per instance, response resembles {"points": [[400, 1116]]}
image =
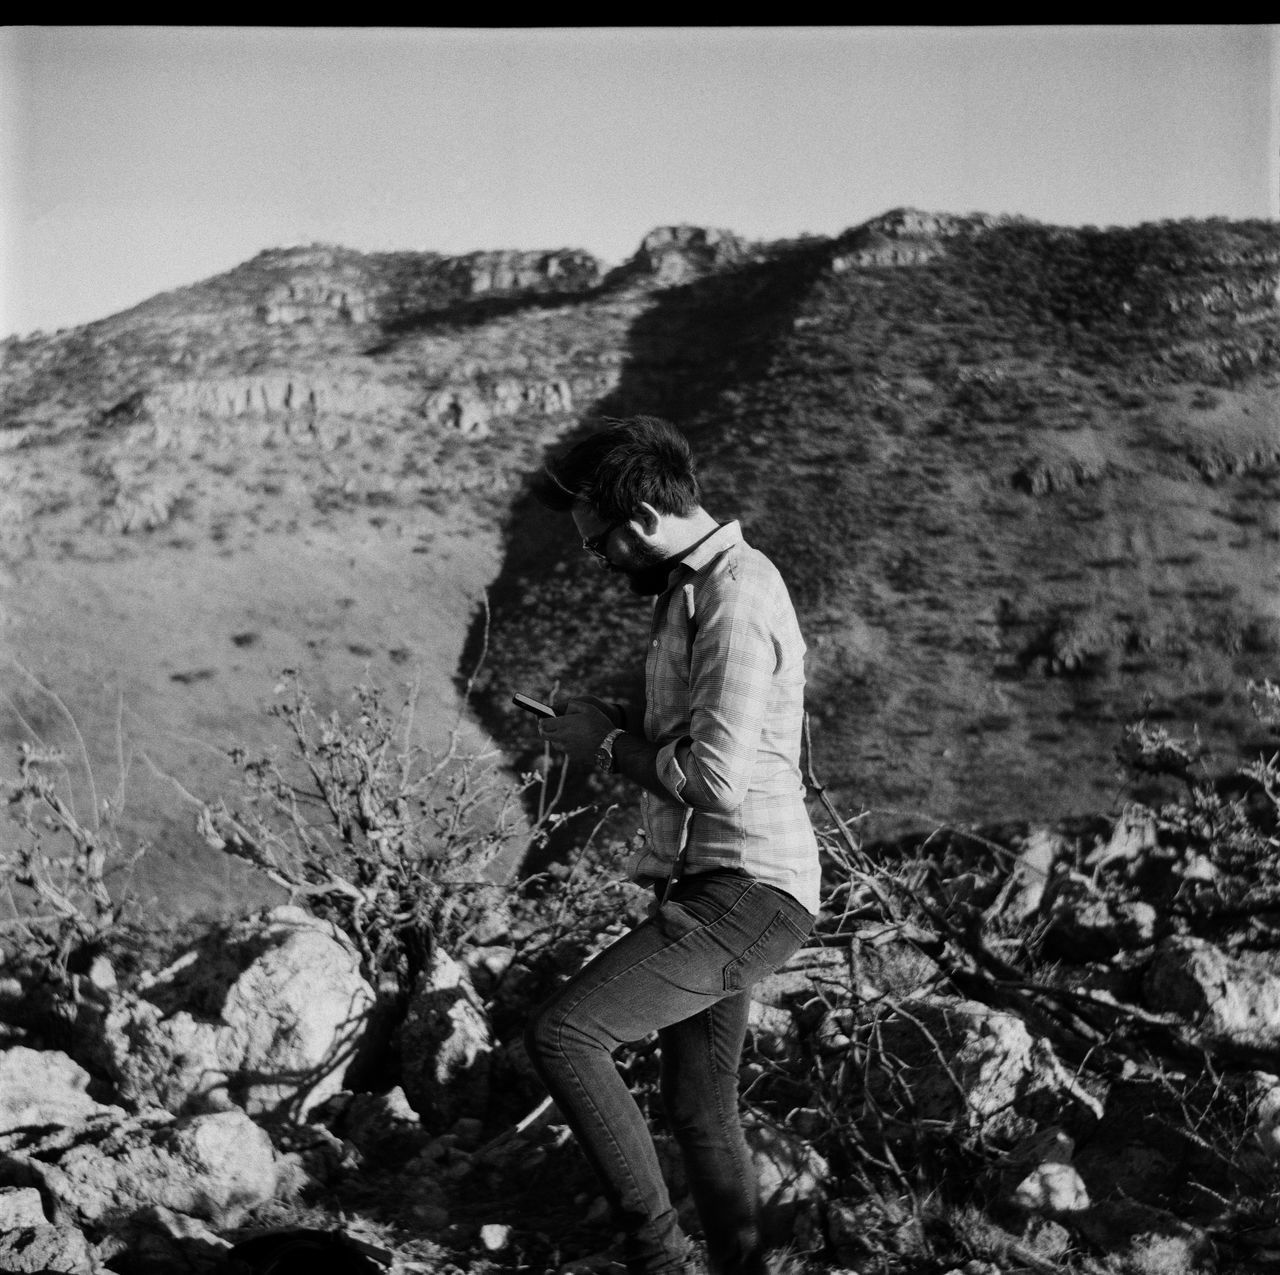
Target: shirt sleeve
{"points": [[734, 658]]}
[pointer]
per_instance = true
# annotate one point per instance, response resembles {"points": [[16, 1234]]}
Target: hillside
{"points": [[1022, 479]]}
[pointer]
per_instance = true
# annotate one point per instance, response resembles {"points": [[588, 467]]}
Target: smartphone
{"points": [[531, 705]]}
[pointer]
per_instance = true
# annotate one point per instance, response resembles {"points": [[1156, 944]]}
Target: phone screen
{"points": [[531, 705]]}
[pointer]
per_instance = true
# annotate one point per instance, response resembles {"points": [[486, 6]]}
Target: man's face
{"points": [[616, 545]]}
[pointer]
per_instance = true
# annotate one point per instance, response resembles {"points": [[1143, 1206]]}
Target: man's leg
{"points": [[671, 967], [700, 1059]]}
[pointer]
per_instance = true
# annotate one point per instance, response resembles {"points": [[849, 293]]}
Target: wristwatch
{"points": [[604, 754]]}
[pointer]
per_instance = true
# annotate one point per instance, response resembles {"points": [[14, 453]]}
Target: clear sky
{"points": [[136, 159]]}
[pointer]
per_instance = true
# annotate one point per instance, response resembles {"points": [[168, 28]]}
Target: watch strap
{"points": [[604, 754]]}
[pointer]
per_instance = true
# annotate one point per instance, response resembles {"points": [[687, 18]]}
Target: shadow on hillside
{"points": [[549, 603]]}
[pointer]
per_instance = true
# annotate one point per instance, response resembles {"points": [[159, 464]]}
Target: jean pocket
{"points": [[780, 939]]}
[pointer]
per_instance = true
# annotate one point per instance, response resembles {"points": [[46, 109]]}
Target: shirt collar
{"points": [[724, 537]]}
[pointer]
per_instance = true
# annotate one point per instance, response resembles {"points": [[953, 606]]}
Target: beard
{"points": [[648, 572]]}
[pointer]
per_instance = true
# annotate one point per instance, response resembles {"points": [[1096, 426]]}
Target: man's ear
{"points": [[646, 518]]}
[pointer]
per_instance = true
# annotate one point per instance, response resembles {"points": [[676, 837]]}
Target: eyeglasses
{"points": [[594, 545]]}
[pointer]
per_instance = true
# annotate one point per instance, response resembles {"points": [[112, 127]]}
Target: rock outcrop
{"points": [[446, 1045], [267, 1018], [907, 237], [485, 273], [678, 254], [284, 394]]}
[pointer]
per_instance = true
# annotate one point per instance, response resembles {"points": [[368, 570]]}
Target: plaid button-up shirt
{"points": [[724, 686]]}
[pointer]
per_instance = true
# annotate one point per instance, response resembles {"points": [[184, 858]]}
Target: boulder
{"points": [[791, 1174], [211, 1167], [380, 1126], [41, 1088], [266, 1017], [19, 1207], [1052, 1188], [446, 1047], [1227, 999], [159, 1240], [1266, 1113], [58, 1247], [1031, 872], [1085, 926], [947, 1060]]}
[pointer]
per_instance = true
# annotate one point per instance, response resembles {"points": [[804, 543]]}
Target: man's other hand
{"points": [[579, 731]]}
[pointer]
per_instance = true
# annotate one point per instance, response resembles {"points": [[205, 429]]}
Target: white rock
{"points": [[1053, 1188], [962, 1060], [268, 1022], [212, 1167], [446, 1045], [1030, 873], [45, 1248], [1226, 998], [43, 1087], [495, 1236], [20, 1206]]}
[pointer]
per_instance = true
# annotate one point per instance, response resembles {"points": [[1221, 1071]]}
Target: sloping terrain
{"points": [[1023, 482]]}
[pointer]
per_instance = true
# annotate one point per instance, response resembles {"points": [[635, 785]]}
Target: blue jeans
{"points": [[686, 973]]}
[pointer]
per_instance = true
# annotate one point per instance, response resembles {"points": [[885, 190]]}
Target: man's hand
{"points": [[562, 701], [580, 730]]}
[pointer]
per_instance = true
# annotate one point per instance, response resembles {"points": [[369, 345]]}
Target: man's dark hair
{"points": [[639, 459]]}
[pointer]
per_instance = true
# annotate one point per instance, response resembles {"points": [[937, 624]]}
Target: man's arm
{"points": [[580, 732], [732, 666], [637, 759]]}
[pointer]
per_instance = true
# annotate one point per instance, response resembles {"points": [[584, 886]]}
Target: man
{"points": [[729, 848]]}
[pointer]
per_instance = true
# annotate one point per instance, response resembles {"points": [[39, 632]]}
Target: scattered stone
{"points": [[445, 1045], [380, 1125], [1051, 1188], [1084, 926], [1266, 1113], [1231, 999], [1046, 1238], [495, 1236], [487, 965], [39, 1088], [1030, 874], [19, 1207], [1132, 835], [52, 1247]]}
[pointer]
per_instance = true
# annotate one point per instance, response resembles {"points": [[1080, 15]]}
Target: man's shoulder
{"points": [[743, 566]]}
